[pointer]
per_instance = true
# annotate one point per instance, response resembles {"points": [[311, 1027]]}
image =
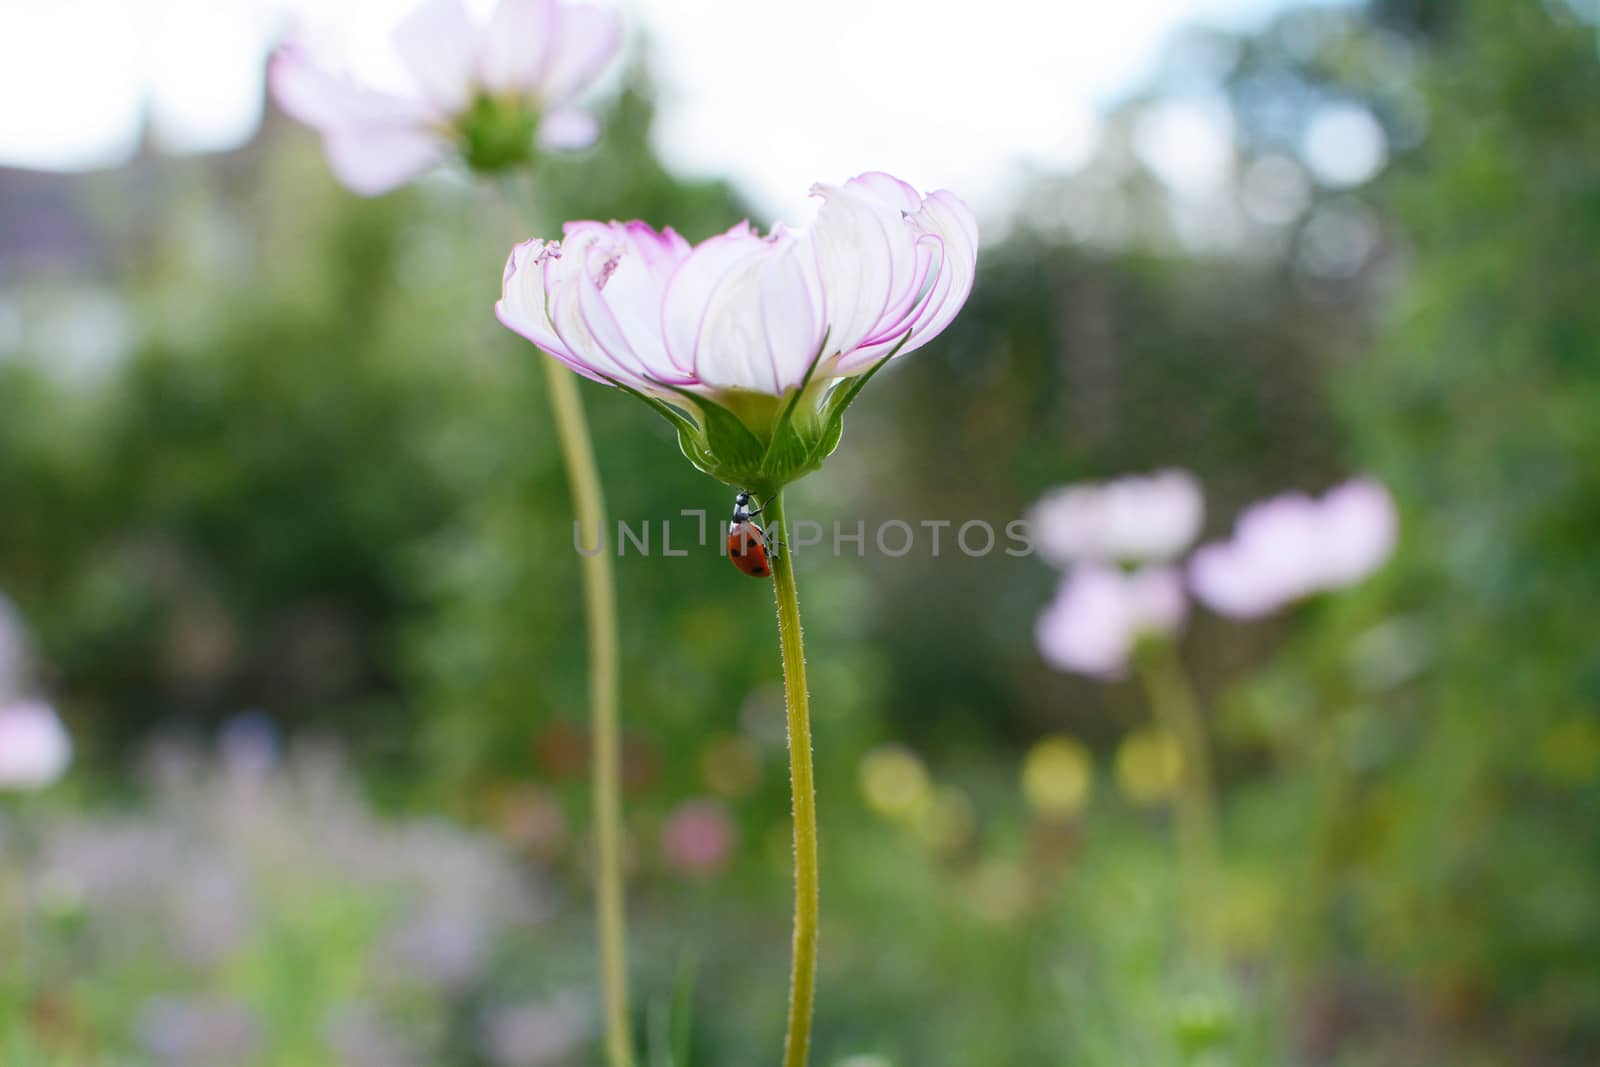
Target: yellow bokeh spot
{"points": [[1149, 765], [948, 821], [731, 765], [894, 783], [1057, 777]]}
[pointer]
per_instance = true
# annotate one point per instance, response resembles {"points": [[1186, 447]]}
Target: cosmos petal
{"points": [[438, 44], [518, 44]]}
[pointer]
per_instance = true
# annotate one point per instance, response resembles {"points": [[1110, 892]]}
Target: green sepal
{"points": [[786, 420], [681, 422], [721, 445], [757, 441]]}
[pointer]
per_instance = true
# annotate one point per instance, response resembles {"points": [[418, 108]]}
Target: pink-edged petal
{"points": [[791, 315], [523, 306], [866, 257], [732, 350], [438, 44], [372, 161], [516, 46], [327, 101], [759, 314], [575, 285], [599, 298], [887, 189], [916, 293], [568, 131], [946, 217], [694, 284], [660, 250], [588, 39], [630, 299]]}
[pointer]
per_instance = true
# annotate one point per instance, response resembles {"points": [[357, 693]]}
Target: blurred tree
{"points": [[1462, 828]]}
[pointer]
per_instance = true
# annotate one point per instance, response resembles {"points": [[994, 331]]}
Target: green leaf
{"points": [[668, 1020]]}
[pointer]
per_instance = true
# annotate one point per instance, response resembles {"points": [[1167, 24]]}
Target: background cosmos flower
{"points": [[1100, 613], [725, 330], [485, 92], [1293, 546], [1137, 518], [698, 837], [35, 748], [620, 302]]}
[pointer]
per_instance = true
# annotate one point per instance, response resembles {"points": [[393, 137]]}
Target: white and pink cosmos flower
{"points": [[1293, 546], [1101, 613], [759, 326], [1135, 519], [489, 94], [882, 269]]}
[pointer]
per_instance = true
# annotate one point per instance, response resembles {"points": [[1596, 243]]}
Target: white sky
{"points": [[775, 95]]}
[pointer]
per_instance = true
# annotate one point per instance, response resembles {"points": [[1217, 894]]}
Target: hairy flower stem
{"points": [[600, 600], [803, 977], [1173, 702]]}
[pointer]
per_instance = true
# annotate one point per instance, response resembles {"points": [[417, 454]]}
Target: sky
{"points": [[774, 95]]}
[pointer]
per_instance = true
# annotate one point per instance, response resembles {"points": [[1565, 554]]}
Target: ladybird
{"points": [[747, 545]]}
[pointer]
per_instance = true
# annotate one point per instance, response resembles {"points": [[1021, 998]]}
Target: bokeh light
{"points": [[1058, 777]]}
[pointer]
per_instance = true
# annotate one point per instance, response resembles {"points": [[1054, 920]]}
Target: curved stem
{"points": [[600, 599], [803, 977], [1172, 700]]}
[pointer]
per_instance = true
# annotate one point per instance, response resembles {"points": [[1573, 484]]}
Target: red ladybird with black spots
{"points": [[747, 544]]}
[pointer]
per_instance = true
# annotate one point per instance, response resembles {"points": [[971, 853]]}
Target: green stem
{"points": [[1173, 702], [803, 977], [600, 598]]}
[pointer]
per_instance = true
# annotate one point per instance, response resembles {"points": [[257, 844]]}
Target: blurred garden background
{"points": [[286, 541]]}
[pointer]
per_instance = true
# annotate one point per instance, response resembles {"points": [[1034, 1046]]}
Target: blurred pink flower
{"points": [[698, 837], [1151, 517], [34, 747], [882, 266], [482, 91], [1293, 546], [1100, 614]]}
